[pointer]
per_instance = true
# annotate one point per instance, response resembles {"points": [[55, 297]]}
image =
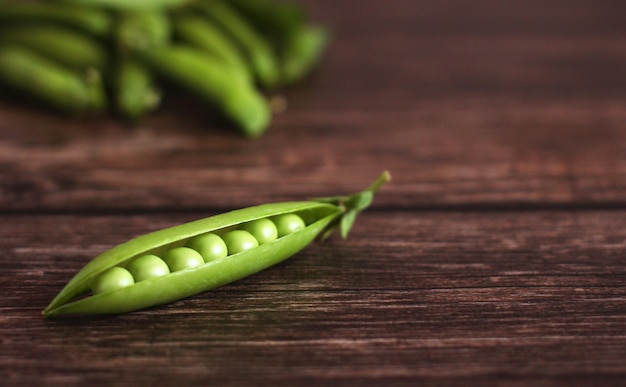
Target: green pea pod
{"points": [[202, 33], [130, 4], [318, 216], [141, 30], [275, 18], [135, 90], [134, 84], [299, 45], [36, 76], [217, 83], [91, 20], [301, 50], [61, 44], [256, 49]]}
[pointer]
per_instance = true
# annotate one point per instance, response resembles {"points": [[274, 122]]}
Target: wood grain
{"points": [[446, 154], [490, 106], [411, 296], [497, 256]]}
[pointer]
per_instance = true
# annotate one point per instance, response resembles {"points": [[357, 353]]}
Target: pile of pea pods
{"points": [[86, 57]]}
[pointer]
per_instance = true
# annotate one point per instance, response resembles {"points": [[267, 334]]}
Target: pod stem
{"points": [[352, 205], [382, 179]]}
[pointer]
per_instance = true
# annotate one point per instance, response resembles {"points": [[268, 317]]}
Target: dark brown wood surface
{"points": [[497, 256]]}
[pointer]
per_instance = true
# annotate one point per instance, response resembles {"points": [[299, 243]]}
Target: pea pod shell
{"points": [[47, 81], [302, 50], [253, 45], [124, 5], [142, 30], [92, 20], [188, 282], [275, 18], [201, 32], [215, 82], [135, 91], [63, 45]]}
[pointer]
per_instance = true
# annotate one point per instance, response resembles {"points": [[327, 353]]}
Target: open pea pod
{"points": [[255, 238]]}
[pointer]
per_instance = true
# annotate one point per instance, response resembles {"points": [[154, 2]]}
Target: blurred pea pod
{"points": [[218, 84], [202, 33], [135, 89], [299, 44], [221, 50], [142, 30], [272, 17], [129, 5], [32, 74], [301, 51], [255, 48], [91, 20], [61, 44]]}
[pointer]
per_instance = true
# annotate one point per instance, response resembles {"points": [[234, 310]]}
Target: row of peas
{"points": [[197, 251], [88, 57]]}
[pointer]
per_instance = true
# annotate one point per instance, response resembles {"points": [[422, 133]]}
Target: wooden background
{"points": [[497, 256]]}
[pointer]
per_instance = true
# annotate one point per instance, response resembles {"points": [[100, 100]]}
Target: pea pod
{"points": [[276, 18], [63, 45], [218, 84], [141, 30], [92, 20], [255, 48], [34, 75], [130, 4], [301, 50], [115, 293], [135, 89], [299, 44], [200, 32]]}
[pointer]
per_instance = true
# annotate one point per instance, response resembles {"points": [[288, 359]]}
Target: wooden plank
{"points": [[489, 259], [454, 152], [509, 297], [493, 106], [445, 17]]}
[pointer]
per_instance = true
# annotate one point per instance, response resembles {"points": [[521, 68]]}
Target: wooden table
{"points": [[496, 256]]}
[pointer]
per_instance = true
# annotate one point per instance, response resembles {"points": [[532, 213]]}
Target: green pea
{"points": [[181, 258], [112, 279], [209, 245], [146, 267], [288, 223], [320, 217], [263, 230], [239, 240]]}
